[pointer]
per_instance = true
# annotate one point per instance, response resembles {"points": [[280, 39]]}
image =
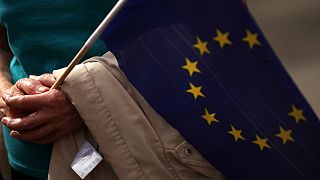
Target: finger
{"points": [[57, 134], [17, 113], [13, 91], [2, 103], [34, 134], [45, 79], [31, 86], [5, 120], [34, 77], [34, 101], [24, 102], [5, 112], [49, 138], [25, 123], [2, 113]]}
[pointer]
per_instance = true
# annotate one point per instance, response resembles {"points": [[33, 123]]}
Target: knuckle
{"points": [[20, 81], [44, 77], [23, 82], [58, 97], [7, 92], [47, 78], [28, 85]]}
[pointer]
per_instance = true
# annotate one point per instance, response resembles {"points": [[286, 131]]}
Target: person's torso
{"points": [[45, 35]]}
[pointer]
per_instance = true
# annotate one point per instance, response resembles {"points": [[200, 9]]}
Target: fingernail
{"points": [[14, 133], [33, 77], [5, 120], [42, 89]]}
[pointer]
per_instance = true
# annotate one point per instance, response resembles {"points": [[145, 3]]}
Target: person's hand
{"points": [[3, 107], [16, 90], [13, 91], [53, 114]]}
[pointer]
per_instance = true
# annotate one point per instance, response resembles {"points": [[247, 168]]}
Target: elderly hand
{"points": [[52, 117], [15, 90]]}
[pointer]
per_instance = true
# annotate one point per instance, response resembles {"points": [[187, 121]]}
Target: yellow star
{"points": [[261, 142], [297, 114], [222, 38], [285, 135], [236, 133], [196, 91], [251, 39], [202, 46], [209, 117], [191, 67]]}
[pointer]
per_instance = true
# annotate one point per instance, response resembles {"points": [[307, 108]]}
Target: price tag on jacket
{"points": [[86, 160]]}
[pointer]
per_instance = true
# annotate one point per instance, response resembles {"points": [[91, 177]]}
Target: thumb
{"points": [[45, 79], [31, 86]]}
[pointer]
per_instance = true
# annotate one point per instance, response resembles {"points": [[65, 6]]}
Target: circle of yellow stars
{"points": [[191, 66]]}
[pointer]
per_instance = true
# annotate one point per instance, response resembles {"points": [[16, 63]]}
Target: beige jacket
{"points": [[134, 140]]}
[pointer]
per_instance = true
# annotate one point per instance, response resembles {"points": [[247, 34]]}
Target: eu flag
{"points": [[205, 67]]}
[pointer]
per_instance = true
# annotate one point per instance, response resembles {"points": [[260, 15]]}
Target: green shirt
{"points": [[45, 35]]}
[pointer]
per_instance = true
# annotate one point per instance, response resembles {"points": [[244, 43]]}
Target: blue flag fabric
{"points": [[205, 67]]}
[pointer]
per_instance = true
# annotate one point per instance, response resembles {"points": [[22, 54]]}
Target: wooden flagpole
{"points": [[96, 34]]}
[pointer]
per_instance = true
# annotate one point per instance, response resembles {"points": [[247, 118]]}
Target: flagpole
{"points": [[96, 34]]}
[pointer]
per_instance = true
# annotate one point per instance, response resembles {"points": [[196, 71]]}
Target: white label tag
{"points": [[86, 160]]}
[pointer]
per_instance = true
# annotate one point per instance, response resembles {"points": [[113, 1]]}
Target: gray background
{"points": [[293, 30]]}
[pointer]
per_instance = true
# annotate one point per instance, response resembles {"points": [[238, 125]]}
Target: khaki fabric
{"points": [[134, 140]]}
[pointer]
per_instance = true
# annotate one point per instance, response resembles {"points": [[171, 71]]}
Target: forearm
{"points": [[5, 58], [5, 83], [5, 77]]}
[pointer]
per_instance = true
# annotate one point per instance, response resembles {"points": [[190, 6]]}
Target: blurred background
{"points": [[293, 30]]}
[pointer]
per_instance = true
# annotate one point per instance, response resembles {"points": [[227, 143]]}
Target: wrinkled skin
{"points": [[35, 113]]}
